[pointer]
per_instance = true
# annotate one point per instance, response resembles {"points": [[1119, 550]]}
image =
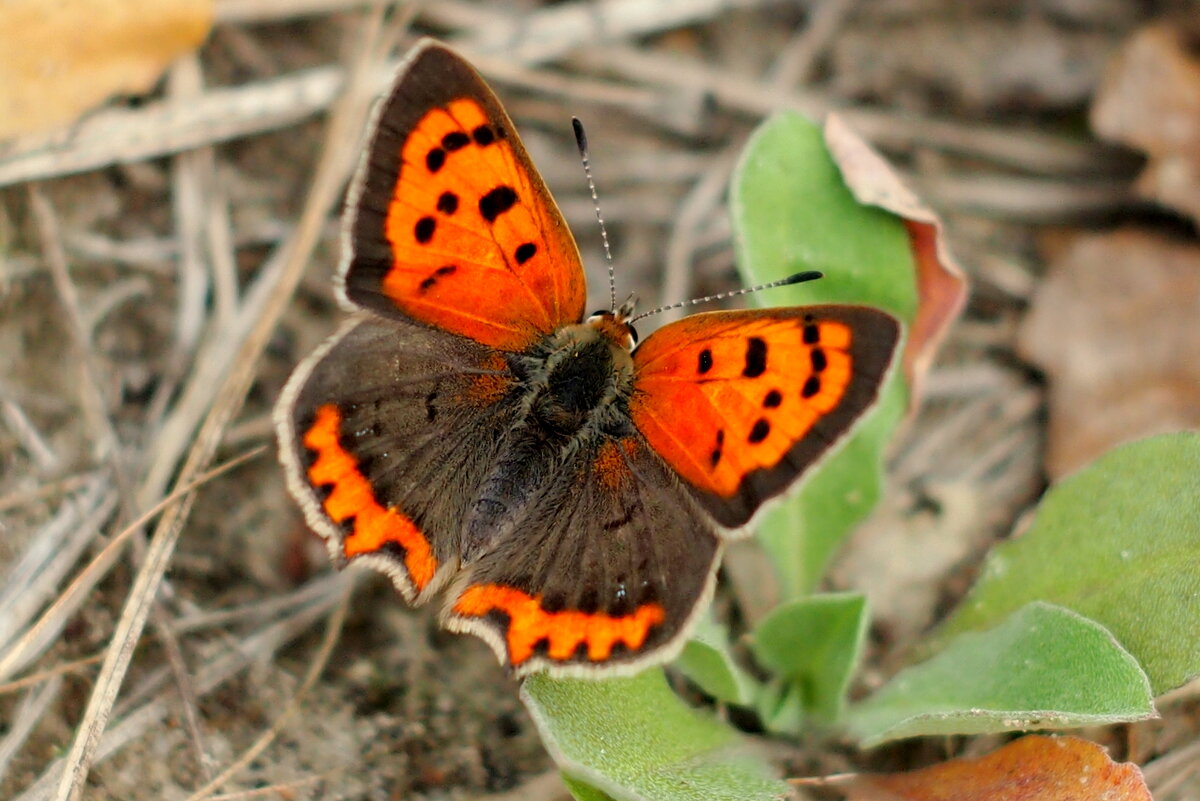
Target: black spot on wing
{"points": [[394, 550], [818, 359], [483, 135], [589, 601], [447, 203], [760, 431], [424, 229], [756, 357], [432, 278], [497, 201], [455, 140], [625, 519], [719, 451], [525, 252]]}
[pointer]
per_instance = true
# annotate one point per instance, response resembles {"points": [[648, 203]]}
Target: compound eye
{"points": [[633, 334], [596, 315]]}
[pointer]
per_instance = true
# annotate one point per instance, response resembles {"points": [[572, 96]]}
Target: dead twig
{"points": [[31, 643], [93, 394], [34, 444], [31, 709], [49, 490], [1029, 150], [137, 721], [34, 578], [49, 673]]}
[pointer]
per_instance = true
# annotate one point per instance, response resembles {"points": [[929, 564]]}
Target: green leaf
{"points": [[1118, 542], [582, 791], [815, 644], [792, 211], [707, 661], [1045, 667], [780, 707], [803, 532], [632, 738]]}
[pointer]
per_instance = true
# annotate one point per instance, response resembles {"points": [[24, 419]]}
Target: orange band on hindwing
{"points": [[563, 631], [352, 500]]}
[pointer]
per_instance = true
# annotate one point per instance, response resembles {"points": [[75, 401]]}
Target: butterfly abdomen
{"points": [[575, 393], [519, 469]]}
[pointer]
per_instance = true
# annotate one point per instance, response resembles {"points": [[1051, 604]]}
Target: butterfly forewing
{"points": [[449, 223], [740, 403]]}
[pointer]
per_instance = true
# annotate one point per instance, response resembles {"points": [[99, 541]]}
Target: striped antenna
{"points": [[581, 143], [808, 275]]}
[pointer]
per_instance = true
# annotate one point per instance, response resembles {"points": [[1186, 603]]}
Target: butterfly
{"points": [[468, 432]]}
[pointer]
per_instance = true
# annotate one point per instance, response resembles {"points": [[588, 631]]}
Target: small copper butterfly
{"points": [[472, 435]]}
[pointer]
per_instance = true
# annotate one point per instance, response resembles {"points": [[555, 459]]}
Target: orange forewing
{"points": [[727, 396], [452, 224], [703, 421], [510, 266]]}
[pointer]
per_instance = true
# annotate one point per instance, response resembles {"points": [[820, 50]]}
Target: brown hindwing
{"points": [[612, 565], [384, 434]]}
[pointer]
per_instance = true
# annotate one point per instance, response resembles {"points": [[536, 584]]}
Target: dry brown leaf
{"points": [[1150, 100], [70, 55], [1033, 768], [941, 285], [1114, 327]]}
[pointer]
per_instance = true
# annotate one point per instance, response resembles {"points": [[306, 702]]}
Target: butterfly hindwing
{"points": [[610, 563], [449, 223], [740, 403], [385, 434]]}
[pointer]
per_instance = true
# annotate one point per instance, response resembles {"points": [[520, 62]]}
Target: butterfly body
{"points": [[472, 436], [571, 392]]}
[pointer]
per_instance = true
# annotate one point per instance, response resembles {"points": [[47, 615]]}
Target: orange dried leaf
{"points": [[941, 285], [60, 59], [1033, 768]]}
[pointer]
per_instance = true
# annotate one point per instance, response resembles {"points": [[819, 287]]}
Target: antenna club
{"points": [[807, 275], [580, 136]]}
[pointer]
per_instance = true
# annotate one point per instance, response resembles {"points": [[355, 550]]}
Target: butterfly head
{"points": [[614, 325]]}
